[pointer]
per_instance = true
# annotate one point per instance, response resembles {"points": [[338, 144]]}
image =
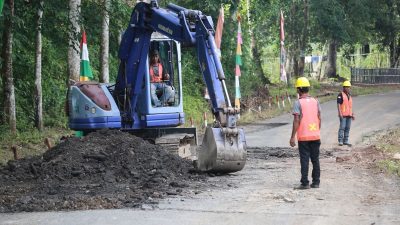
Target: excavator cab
{"points": [[163, 95]]}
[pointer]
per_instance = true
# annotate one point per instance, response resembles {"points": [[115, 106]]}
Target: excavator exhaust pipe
{"points": [[223, 150]]}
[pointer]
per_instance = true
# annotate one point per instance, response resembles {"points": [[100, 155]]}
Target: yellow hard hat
{"points": [[302, 82], [346, 84]]}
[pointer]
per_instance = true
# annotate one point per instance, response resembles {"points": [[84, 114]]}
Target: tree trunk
{"points": [[296, 64], [7, 70], [394, 52], [258, 63], [301, 64], [397, 63], [394, 44], [251, 32], [104, 76], [74, 30], [121, 33], [303, 39], [38, 70], [320, 63], [330, 68], [287, 67]]}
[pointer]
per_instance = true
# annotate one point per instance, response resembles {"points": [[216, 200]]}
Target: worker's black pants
{"points": [[309, 150]]}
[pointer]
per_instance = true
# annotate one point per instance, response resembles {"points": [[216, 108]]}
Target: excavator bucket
{"points": [[221, 152]]}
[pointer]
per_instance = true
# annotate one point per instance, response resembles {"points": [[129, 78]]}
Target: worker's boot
{"points": [[302, 187], [314, 185]]}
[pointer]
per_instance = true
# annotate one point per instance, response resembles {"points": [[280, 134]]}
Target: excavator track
{"points": [[176, 140], [178, 144]]}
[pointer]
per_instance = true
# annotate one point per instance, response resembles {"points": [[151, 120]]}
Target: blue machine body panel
{"points": [[88, 115]]}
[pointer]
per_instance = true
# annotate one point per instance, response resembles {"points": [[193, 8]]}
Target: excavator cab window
{"points": [[166, 89]]}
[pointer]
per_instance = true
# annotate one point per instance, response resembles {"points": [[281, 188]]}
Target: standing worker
{"points": [[345, 112], [307, 124]]}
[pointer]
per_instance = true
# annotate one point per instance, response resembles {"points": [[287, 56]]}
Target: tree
{"points": [[387, 26], [38, 70], [340, 22], [104, 73], [263, 25], [7, 69], [298, 34], [74, 30]]}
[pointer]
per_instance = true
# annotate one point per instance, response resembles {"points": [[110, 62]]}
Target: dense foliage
{"points": [[309, 24]]}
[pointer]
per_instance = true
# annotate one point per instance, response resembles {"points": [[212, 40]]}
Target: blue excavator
{"points": [[127, 105]]}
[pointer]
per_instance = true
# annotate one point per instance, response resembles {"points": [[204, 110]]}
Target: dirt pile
{"points": [[106, 169]]}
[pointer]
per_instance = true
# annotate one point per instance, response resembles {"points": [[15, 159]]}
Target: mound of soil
{"points": [[106, 169]]}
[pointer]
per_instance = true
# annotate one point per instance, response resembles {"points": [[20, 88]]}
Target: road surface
{"points": [[262, 193]]}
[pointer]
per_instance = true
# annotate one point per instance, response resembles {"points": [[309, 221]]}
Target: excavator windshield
{"points": [[164, 72]]}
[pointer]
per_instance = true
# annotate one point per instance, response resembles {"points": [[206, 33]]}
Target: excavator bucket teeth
{"points": [[221, 153]]}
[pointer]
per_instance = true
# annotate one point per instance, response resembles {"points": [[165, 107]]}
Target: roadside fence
{"points": [[375, 76]]}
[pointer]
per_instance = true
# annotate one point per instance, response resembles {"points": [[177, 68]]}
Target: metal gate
{"points": [[375, 76]]}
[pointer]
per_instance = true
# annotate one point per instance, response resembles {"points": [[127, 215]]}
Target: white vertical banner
{"points": [[283, 52]]}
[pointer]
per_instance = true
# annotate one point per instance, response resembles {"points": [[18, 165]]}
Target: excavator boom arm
{"points": [[223, 147], [191, 28]]}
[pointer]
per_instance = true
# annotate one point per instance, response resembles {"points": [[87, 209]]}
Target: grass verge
{"points": [[29, 142], [389, 144]]}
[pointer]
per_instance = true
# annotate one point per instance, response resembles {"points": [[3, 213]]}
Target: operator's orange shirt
{"points": [[156, 78]]}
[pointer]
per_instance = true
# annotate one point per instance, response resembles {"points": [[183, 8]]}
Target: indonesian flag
{"points": [[85, 72]]}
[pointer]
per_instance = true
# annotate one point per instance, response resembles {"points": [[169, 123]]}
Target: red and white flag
{"points": [[85, 71], [220, 27], [218, 30]]}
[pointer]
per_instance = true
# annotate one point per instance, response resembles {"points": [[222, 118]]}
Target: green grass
{"points": [[28, 142], [194, 109], [390, 145], [392, 167]]}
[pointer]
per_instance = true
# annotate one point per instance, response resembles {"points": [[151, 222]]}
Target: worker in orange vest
{"points": [[345, 112], [158, 78], [307, 124]]}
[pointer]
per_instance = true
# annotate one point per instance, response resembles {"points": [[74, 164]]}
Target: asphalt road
{"points": [[262, 193], [372, 112]]}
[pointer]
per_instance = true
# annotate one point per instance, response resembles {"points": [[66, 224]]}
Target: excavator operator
{"points": [[161, 92]]}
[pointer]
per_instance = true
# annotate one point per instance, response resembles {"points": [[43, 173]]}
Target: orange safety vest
{"points": [[153, 78], [346, 108], [309, 123]]}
